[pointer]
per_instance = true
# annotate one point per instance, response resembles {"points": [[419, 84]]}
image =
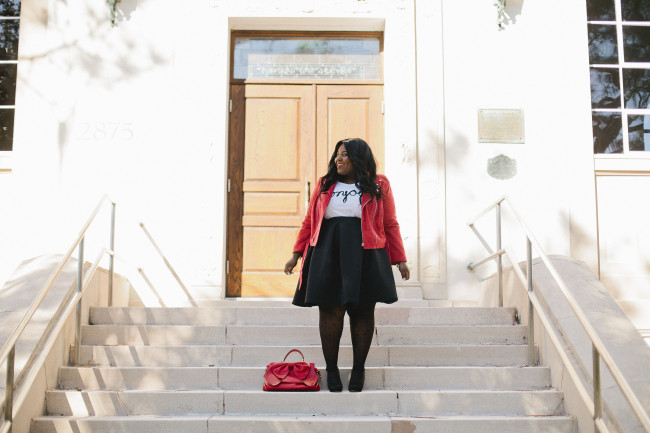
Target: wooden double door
{"points": [[281, 139]]}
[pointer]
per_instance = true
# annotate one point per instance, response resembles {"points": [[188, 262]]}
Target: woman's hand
{"points": [[291, 263], [404, 270]]}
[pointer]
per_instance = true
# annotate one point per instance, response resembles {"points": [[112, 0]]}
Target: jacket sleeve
{"points": [[305, 229], [394, 244]]}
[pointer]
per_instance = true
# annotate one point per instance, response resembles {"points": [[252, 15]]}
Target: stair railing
{"points": [[59, 320], [168, 265], [599, 351]]}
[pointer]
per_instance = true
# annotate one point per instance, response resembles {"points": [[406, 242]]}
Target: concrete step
{"points": [[152, 335], [303, 424], [286, 302], [287, 315], [458, 334], [227, 355], [409, 292], [231, 378], [201, 370], [370, 402], [299, 335]]}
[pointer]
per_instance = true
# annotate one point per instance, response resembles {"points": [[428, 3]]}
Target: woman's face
{"points": [[344, 167]]}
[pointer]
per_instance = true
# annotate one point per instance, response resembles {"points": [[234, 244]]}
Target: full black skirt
{"points": [[338, 270]]}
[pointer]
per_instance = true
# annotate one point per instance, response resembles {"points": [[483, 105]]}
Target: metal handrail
{"points": [[9, 349], [534, 305], [169, 265]]}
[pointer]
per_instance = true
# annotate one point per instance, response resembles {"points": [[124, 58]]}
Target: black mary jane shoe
{"points": [[334, 380], [356, 380]]}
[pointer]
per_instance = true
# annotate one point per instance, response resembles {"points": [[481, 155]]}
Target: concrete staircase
{"points": [[430, 369]]}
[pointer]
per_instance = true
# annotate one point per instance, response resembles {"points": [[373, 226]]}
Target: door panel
{"points": [[279, 146], [256, 238], [274, 146], [283, 204], [347, 118], [349, 112]]}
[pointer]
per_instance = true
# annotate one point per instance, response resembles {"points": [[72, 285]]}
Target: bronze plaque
{"points": [[500, 126]]}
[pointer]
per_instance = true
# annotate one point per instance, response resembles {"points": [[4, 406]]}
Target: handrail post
{"points": [[499, 259], [9, 390], [531, 309], [80, 271], [111, 259], [598, 401]]}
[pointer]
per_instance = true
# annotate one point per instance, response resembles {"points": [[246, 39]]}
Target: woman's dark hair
{"points": [[365, 168]]}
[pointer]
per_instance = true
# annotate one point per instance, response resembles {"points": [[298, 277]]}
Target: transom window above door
{"points": [[298, 57]]}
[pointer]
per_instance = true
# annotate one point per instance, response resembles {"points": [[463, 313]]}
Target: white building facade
{"points": [[142, 111]]}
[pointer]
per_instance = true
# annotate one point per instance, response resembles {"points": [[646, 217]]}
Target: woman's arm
{"points": [[394, 243], [404, 270], [291, 263]]}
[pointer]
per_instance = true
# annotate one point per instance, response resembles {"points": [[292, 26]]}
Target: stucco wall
{"points": [[538, 64], [140, 111]]}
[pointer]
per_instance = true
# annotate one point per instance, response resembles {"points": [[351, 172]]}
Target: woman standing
{"points": [[349, 239]]}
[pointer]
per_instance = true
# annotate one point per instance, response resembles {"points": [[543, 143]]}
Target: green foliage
{"points": [[112, 5], [501, 13]]}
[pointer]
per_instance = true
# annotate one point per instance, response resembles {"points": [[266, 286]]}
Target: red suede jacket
{"points": [[379, 227]]}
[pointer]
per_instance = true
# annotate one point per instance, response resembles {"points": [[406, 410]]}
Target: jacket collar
{"points": [[328, 196], [365, 199]]}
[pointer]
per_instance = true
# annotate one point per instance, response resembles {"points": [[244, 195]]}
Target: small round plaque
{"points": [[501, 167]]}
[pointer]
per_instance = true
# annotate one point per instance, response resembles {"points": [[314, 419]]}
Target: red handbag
{"points": [[291, 376]]}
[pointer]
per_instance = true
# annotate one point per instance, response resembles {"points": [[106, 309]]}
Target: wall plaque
{"points": [[500, 126], [501, 167]]}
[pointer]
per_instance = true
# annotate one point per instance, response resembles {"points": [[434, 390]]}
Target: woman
{"points": [[349, 239]]}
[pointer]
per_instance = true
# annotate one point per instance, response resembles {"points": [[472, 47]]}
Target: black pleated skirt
{"points": [[338, 270]]}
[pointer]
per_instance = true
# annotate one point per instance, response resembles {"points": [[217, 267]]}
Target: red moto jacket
{"points": [[379, 227]]}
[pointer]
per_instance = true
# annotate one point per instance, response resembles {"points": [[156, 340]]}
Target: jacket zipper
{"points": [[316, 212], [364, 205], [373, 220]]}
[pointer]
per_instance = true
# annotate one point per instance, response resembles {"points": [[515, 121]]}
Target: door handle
{"points": [[307, 193]]}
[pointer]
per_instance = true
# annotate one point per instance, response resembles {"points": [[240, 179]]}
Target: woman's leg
{"points": [[362, 330], [331, 328]]}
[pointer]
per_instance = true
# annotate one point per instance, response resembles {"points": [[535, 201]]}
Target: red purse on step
{"points": [[291, 376]]}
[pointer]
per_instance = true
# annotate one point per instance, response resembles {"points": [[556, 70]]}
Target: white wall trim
{"points": [[308, 23], [431, 149]]}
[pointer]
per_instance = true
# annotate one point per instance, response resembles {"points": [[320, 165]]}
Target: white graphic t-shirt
{"points": [[345, 202]]}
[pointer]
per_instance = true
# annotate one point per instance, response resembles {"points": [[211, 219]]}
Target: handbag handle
{"points": [[291, 351]]}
